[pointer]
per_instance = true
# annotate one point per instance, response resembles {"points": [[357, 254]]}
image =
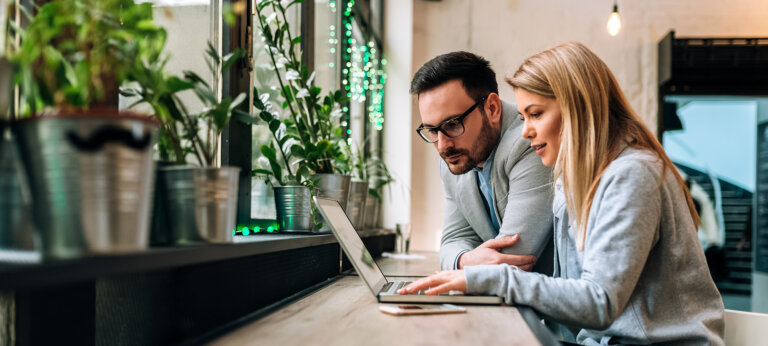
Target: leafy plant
{"points": [[308, 139], [184, 132], [75, 53]]}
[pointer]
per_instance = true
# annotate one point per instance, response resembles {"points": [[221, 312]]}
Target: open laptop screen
{"points": [[352, 244]]}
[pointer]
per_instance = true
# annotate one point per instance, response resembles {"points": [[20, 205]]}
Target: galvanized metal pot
{"points": [[16, 230], [358, 192], [91, 177], [294, 209], [333, 186], [200, 204], [176, 192], [372, 206], [159, 230], [216, 202]]}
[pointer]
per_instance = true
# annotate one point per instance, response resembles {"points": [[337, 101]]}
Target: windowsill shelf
{"points": [[24, 269]]}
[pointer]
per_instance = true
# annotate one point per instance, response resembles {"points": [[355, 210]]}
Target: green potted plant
{"points": [[200, 200], [89, 167], [291, 182], [312, 121]]}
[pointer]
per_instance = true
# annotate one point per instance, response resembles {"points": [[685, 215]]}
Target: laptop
{"points": [[384, 290]]}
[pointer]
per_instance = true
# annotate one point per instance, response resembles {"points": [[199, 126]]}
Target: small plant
{"points": [[74, 53], [184, 132]]}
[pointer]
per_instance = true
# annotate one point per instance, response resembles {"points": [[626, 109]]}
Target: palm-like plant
{"points": [[184, 132]]}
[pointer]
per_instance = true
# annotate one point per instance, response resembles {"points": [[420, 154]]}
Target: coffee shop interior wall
{"points": [[506, 32]]}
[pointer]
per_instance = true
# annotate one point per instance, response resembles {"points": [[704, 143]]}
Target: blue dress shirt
{"points": [[483, 183]]}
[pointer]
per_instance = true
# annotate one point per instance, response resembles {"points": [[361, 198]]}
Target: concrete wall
{"points": [[508, 31]]}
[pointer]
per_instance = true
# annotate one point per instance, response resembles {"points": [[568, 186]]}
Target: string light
{"points": [[363, 75], [332, 41]]}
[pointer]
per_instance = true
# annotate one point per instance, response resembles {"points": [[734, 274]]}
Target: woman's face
{"points": [[542, 124]]}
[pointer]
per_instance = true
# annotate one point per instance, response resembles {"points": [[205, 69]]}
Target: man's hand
{"points": [[450, 280], [488, 253]]}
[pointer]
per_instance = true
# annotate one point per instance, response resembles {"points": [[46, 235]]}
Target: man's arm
{"points": [[529, 205], [461, 245], [458, 236]]}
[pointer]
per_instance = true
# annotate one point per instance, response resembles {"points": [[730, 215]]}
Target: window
{"points": [[346, 55]]}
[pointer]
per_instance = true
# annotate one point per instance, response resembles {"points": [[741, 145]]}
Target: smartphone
{"points": [[421, 309]]}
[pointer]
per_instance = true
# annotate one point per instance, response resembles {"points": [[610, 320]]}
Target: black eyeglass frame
{"points": [[460, 118]]}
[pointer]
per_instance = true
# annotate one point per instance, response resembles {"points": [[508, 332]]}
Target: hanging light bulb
{"points": [[614, 22]]}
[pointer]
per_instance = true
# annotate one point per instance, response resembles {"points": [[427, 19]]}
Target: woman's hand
{"points": [[449, 280]]}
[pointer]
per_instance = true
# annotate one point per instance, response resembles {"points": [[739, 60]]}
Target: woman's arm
{"points": [[622, 230]]}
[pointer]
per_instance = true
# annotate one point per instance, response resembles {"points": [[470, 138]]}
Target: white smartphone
{"points": [[421, 309]]}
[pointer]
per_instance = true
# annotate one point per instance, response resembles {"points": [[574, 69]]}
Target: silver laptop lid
{"points": [[352, 244]]}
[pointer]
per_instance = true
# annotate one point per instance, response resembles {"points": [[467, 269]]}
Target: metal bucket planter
{"points": [[177, 197], [160, 229], [216, 202], [200, 204], [293, 208], [16, 230], [358, 192], [333, 186], [372, 206], [91, 177]]}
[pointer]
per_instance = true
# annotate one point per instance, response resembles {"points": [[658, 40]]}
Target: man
{"points": [[498, 195]]}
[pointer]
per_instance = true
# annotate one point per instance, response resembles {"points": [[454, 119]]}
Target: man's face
{"points": [[481, 131]]}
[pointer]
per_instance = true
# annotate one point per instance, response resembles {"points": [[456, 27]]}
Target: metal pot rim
{"points": [[92, 113], [341, 175], [193, 167]]}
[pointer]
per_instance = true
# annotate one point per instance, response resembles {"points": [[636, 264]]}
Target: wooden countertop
{"points": [[346, 313]]}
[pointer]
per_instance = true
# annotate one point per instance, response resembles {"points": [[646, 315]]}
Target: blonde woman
{"points": [[628, 265]]}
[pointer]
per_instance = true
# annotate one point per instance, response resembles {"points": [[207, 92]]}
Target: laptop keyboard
{"points": [[393, 286]]}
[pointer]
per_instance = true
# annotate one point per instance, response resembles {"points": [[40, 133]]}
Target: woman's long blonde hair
{"points": [[596, 120]]}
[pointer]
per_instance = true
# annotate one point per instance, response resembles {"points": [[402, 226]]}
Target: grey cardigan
{"points": [[522, 196], [642, 277]]}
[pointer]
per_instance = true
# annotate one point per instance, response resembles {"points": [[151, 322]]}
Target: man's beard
{"points": [[482, 148]]}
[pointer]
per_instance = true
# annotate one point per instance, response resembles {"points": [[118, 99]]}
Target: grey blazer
{"points": [[522, 196]]}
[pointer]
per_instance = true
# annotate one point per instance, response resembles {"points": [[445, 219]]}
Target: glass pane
{"points": [[721, 183], [3, 15], [327, 44], [356, 83], [188, 24]]}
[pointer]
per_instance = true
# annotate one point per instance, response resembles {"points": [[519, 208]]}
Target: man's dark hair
{"points": [[475, 74]]}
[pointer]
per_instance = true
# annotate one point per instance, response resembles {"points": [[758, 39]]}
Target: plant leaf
{"points": [[176, 84], [298, 151], [256, 172]]}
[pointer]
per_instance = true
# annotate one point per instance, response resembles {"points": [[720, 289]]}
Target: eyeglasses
{"points": [[452, 127]]}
